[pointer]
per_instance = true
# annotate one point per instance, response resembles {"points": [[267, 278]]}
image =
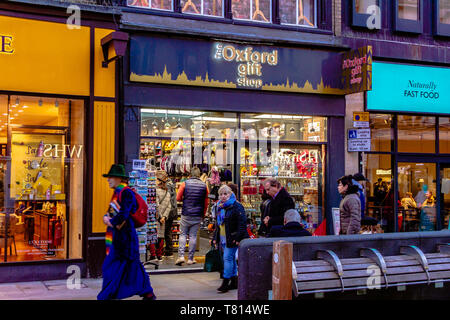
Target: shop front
{"points": [[241, 112], [46, 162], [409, 163]]}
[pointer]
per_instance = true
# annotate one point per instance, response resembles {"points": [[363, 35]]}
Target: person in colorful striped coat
{"points": [[123, 273]]}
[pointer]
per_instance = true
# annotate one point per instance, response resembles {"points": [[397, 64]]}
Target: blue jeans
{"points": [[188, 227], [229, 262]]}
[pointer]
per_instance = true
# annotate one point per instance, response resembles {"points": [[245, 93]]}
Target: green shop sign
{"points": [[408, 88]]}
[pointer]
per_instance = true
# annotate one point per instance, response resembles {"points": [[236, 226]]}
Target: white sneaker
{"points": [[179, 261], [191, 262]]}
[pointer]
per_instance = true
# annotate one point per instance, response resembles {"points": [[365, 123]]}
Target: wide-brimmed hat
{"points": [[117, 170]]}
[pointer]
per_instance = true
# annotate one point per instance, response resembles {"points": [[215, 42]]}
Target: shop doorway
{"points": [[417, 203], [445, 194]]}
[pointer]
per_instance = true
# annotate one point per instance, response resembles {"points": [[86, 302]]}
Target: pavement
{"points": [[180, 286]]}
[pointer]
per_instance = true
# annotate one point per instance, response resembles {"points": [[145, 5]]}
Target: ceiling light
{"points": [[5, 114], [20, 111], [172, 112], [12, 118], [24, 107], [16, 115]]}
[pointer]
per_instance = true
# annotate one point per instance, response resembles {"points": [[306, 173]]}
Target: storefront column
{"points": [[353, 103], [335, 166]]}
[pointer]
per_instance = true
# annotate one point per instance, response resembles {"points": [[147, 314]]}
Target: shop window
{"points": [[379, 191], [42, 170], [151, 4], [442, 17], [444, 135], [381, 132], [298, 168], [284, 127], [298, 12], [417, 196], [255, 10], [445, 195], [408, 15], [203, 7], [366, 13], [416, 134]]}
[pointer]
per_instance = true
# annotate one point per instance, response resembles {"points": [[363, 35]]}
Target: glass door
{"points": [[416, 196], [445, 195]]}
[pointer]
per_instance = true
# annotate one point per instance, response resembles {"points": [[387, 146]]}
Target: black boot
{"points": [[234, 283], [225, 286]]}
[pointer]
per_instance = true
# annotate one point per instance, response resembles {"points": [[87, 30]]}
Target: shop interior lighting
{"points": [[178, 125], [172, 112], [280, 117], [24, 107], [223, 119]]}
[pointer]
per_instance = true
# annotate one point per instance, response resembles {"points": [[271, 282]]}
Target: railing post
{"points": [[282, 270]]}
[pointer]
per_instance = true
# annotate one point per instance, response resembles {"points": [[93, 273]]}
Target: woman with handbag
{"points": [[231, 229]]}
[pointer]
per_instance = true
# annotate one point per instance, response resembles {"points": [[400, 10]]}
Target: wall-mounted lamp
{"points": [[114, 46]]}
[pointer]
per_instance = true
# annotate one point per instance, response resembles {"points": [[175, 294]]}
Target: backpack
{"points": [[173, 201], [140, 216]]}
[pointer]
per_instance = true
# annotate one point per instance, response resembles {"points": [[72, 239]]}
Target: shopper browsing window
{"points": [[163, 213], [408, 201], [350, 207], [280, 203], [291, 228], [231, 229], [194, 195], [123, 273]]}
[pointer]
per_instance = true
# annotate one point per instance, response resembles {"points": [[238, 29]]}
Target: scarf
{"points": [[222, 206], [114, 208]]}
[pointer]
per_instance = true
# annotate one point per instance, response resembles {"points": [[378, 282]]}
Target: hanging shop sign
{"points": [[412, 89], [237, 66], [357, 70]]}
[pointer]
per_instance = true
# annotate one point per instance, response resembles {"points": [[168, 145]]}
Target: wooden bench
{"points": [[329, 273]]}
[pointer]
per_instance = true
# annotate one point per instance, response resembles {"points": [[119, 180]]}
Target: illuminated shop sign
{"points": [[193, 62], [408, 88]]}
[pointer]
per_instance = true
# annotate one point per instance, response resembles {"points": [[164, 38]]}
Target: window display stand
{"points": [[144, 183]]}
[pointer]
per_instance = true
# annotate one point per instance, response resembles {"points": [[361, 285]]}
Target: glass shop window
{"points": [[444, 135], [444, 11], [361, 6], [42, 178], [151, 4], [203, 7], [416, 134], [381, 132], [298, 12], [408, 10], [255, 10]]}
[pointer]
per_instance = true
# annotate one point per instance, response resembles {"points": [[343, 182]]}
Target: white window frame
{"points": [[296, 17]]}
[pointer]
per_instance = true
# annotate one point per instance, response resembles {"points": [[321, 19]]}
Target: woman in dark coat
{"points": [[350, 206], [231, 228], [123, 273], [264, 209]]}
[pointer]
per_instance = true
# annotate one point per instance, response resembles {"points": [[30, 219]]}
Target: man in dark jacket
{"points": [[292, 226], [282, 201], [194, 194]]}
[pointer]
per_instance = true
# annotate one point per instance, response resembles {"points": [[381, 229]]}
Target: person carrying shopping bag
{"points": [[231, 229]]}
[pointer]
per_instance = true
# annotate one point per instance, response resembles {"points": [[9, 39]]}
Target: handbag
{"points": [[213, 261]]}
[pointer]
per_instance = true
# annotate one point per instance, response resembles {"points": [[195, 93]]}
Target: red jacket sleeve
{"points": [[181, 192]]}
